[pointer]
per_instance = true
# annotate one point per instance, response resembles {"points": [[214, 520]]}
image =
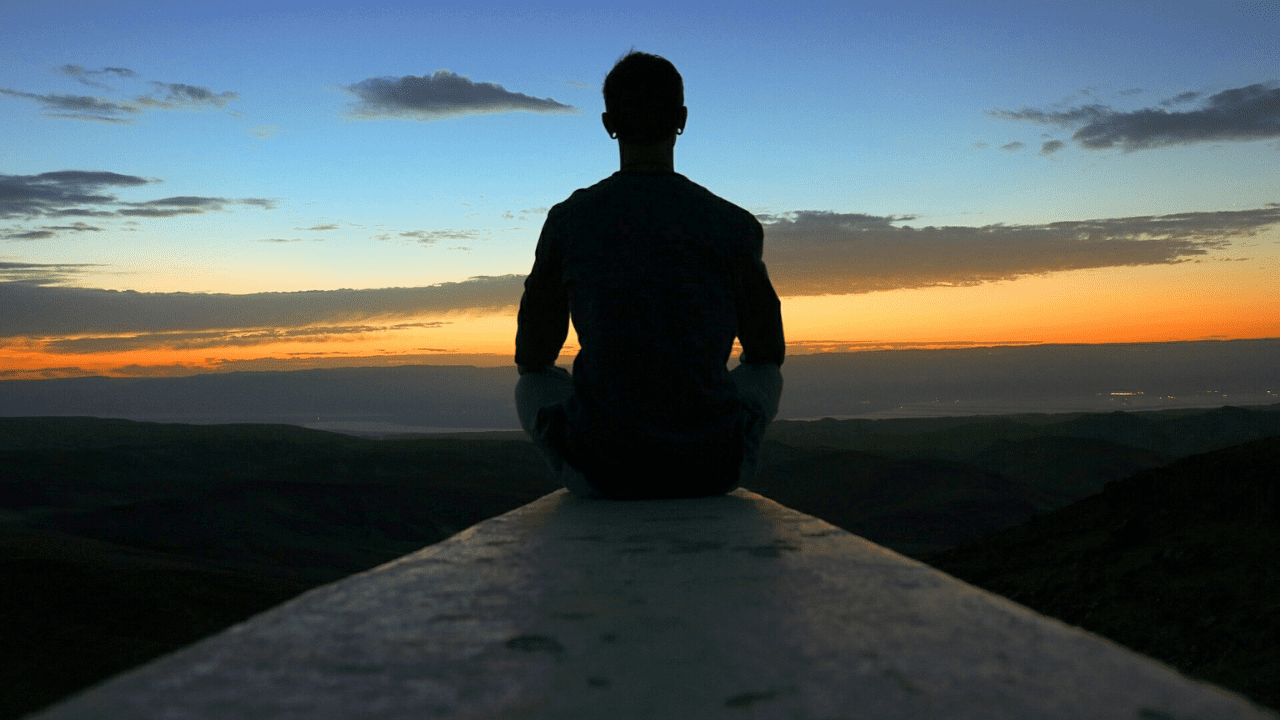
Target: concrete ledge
{"points": [[730, 607]]}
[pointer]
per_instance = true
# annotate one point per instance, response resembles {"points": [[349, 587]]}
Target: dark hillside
{"points": [[1181, 563], [912, 506], [122, 541]]}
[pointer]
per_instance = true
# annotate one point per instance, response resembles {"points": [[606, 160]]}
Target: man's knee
{"points": [[760, 385], [535, 390]]}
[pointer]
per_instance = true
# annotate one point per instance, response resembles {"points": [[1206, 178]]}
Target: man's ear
{"points": [[684, 117], [608, 126]]}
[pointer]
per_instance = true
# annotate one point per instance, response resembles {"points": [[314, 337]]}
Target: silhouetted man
{"points": [[659, 275]]}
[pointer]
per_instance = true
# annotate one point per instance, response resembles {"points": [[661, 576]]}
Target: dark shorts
{"points": [[540, 397]]}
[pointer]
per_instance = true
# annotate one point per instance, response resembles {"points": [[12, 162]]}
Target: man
{"points": [[659, 275]]}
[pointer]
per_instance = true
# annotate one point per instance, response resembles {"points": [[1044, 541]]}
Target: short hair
{"points": [[643, 94]]}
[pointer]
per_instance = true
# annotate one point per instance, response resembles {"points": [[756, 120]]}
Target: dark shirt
{"points": [[659, 276]]}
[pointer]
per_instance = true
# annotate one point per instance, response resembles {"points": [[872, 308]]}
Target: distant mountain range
{"points": [[889, 383], [122, 540]]}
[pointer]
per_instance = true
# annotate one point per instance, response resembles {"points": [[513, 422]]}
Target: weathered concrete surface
{"points": [[731, 607]]}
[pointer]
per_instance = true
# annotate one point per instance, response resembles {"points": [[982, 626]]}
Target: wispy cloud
{"points": [[822, 253], [443, 94], [182, 96], [1239, 114], [1050, 147], [186, 205], [78, 107], [572, 83], [41, 273], [1015, 145], [48, 231], [1187, 96], [218, 338], [264, 132], [165, 96], [84, 76], [429, 237]]}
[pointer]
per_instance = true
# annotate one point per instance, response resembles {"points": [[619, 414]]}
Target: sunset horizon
{"points": [[315, 185]]}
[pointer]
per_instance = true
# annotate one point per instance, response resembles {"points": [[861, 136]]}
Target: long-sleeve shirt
{"points": [[659, 276]]}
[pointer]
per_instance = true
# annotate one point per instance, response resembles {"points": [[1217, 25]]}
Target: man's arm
{"points": [[759, 310], [543, 322]]}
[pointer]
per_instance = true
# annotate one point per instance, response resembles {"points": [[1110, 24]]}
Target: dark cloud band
{"points": [[54, 311], [819, 253], [808, 253]]}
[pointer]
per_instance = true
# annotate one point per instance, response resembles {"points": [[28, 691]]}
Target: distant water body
{"points": [[359, 427], [1094, 404], [411, 399]]}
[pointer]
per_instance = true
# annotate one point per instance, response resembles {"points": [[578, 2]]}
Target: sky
{"points": [[211, 186]]}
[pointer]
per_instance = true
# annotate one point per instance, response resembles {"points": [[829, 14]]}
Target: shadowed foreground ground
{"points": [[124, 541]]}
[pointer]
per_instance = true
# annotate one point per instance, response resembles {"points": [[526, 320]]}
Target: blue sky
{"points": [[909, 112]]}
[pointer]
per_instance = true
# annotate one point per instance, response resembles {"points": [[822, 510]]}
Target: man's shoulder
{"points": [[722, 205], [673, 189]]}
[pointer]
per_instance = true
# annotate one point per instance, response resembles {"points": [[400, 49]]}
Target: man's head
{"points": [[643, 99]]}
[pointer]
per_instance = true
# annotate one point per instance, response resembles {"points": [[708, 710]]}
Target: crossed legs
{"points": [[759, 386]]}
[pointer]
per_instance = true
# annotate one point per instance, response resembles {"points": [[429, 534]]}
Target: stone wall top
{"points": [[729, 607]]}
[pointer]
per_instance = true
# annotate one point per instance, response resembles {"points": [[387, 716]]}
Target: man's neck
{"points": [[648, 158]]}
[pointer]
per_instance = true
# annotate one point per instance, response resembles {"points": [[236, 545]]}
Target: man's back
{"points": [[659, 275]]}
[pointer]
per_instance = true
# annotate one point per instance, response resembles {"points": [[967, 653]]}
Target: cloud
{"points": [[430, 237], [53, 192], [76, 227], [320, 228], [176, 96], [66, 193], [79, 74], [187, 205], [78, 107], [1187, 96], [1239, 114], [264, 132], [289, 240], [441, 95], [825, 253], [51, 310], [180, 96], [1052, 146], [214, 339], [40, 273], [49, 231], [1015, 145]]}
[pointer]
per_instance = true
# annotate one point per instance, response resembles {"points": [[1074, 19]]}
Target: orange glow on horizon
{"points": [[1187, 301]]}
